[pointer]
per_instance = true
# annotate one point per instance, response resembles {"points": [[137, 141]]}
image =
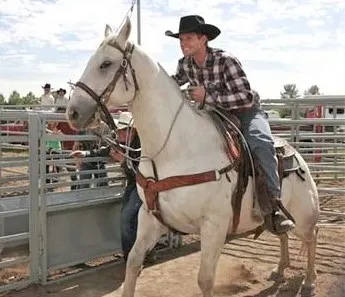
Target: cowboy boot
{"points": [[277, 223]]}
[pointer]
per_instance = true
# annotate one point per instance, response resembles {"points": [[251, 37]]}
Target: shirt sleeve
{"points": [[180, 76], [235, 92]]}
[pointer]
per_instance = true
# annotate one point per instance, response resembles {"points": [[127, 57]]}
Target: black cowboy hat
{"points": [[195, 24], [46, 86], [61, 90]]}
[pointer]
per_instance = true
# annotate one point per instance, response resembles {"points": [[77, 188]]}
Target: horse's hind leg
{"points": [[148, 234], [212, 240], [278, 273], [308, 286]]}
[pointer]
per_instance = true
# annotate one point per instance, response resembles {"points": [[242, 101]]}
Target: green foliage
{"points": [[285, 112], [2, 99], [16, 99], [313, 90], [290, 91], [30, 99]]}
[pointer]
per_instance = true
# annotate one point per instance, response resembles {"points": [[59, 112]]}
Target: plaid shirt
{"points": [[225, 81]]}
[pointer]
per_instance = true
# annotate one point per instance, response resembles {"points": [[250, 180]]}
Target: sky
{"points": [[277, 41]]}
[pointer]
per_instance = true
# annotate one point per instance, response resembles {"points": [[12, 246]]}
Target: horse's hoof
{"points": [[308, 290], [276, 276]]}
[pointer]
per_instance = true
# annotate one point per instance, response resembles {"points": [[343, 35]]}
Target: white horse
{"points": [[182, 141]]}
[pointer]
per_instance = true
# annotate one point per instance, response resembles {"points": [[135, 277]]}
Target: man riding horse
{"points": [[217, 79]]}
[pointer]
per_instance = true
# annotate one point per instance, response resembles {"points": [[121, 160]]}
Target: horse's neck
{"points": [[154, 110], [192, 140]]}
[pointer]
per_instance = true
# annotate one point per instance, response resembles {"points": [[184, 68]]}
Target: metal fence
{"points": [[49, 220], [321, 141], [50, 217]]}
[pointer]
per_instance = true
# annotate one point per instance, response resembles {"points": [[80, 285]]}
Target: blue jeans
{"points": [[129, 219], [92, 166], [258, 135]]}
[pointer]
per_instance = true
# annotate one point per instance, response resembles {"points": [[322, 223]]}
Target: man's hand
{"points": [[197, 93], [78, 154], [116, 155]]}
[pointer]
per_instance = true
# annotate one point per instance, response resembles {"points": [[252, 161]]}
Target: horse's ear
{"points": [[126, 29], [108, 31]]}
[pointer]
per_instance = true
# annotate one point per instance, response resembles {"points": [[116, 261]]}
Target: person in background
{"points": [[53, 147], [67, 145], [90, 145], [47, 98], [61, 99], [126, 133]]}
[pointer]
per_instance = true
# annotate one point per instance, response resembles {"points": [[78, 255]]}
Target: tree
{"points": [[14, 98], [2, 99], [290, 91], [313, 90], [29, 99]]}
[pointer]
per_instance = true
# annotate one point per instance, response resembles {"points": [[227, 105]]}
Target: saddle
{"points": [[238, 154]]}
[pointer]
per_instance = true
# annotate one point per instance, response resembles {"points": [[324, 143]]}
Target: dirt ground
{"points": [[243, 271]]}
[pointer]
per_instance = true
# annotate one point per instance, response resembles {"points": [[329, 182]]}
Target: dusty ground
{"points": [[243, 271]]}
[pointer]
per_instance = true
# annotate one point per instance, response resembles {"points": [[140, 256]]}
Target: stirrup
{"points": [[278, 224]]}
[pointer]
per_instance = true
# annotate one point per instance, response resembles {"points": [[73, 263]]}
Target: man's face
{"points": [[46, 90], [122, 135], [191, 43]]}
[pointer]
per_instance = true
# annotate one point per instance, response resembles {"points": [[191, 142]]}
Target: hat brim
{"points": [[210, 31], [121, 125]]}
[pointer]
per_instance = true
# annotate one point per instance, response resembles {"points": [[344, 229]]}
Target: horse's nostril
{"points": [[74, 115]]}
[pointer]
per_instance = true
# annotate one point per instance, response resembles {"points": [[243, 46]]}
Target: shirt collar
{"points": [[208, 62]]}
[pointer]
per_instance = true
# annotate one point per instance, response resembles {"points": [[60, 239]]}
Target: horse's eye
{"points": [[105, 64]]}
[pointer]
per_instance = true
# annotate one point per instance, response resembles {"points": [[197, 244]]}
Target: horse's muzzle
{"points": [[80, 112]]}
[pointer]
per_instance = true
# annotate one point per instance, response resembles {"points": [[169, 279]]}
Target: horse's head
{"points": [[108, 80]]}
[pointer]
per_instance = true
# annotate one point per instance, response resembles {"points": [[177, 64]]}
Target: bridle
{"points": [[103, 98]]}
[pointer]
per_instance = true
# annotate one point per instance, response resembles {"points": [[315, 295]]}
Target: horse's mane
{"points": [[171, 81], [179, 92]]}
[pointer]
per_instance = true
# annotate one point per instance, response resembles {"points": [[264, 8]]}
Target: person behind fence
{"points": [[47, 97], [131, 201], [61, 99], [90, 145], [53, 147], [67, 145], [217, 79]]}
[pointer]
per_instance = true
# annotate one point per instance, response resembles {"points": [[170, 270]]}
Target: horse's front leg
{"points": [[278, 273], [148, 234], [213, 233]]}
